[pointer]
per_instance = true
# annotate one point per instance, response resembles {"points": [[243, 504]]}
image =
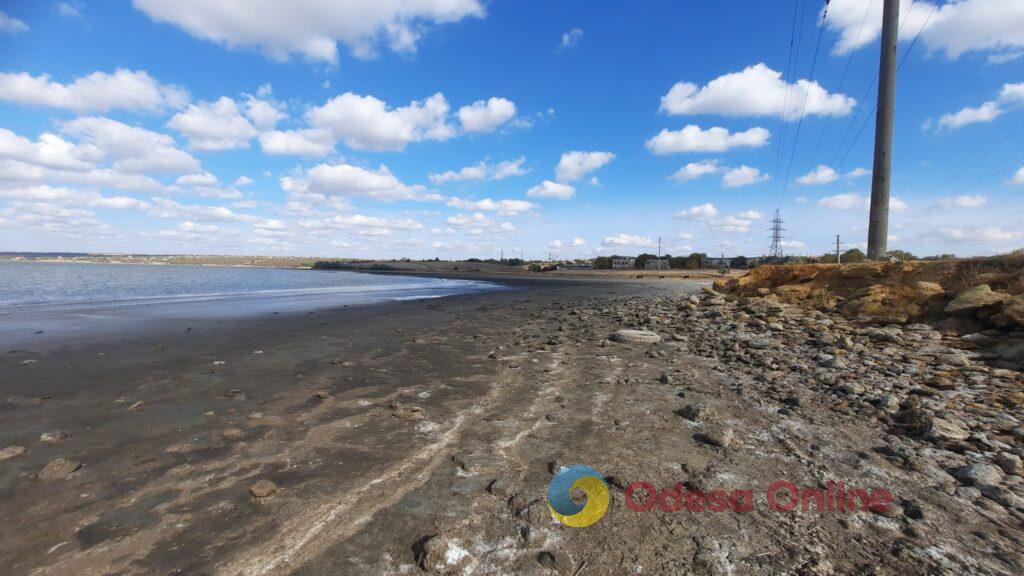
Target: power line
{"points": [[787, 77], [906, 54], [842, 82], [803, 107]]}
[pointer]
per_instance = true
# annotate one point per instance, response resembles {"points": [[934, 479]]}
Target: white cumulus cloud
{"points": [[693, 138], [217, 125], [304, 142], [482, 116], [627, 241], [855, 201], [96, 92], [954, 28], [505, 207], [699, 212], [312, 28], [743, 176], [549, 189], [482, 171], [345, 180], [577, 164], [132, 149], [1010, 95], [819, 176], [367, 123], [756, 91], [695, 170]]}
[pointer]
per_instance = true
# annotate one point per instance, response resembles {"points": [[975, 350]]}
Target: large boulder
{"points": [[1013, 311], [974, 299], [925, 291], [877, 303]]}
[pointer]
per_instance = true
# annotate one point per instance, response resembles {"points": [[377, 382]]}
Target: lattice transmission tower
{"points": [[775, 251]]}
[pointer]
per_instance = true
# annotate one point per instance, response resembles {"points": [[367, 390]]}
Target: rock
{"points": [[925, 291], [718, 434], [399, 410], [974, 299], [501, 487], [1013, 310], [263, 488], [889, 403], [852, 388], [12, 452], [136, 406], [692, 412], [636, 337], [233, 434], [1002, 495], [947, 430], [181, 448], [1010, 463], [53, 437], [980, 475], [979, 339], [557, 560], [442, 555], [665, 378], [59, 469]]}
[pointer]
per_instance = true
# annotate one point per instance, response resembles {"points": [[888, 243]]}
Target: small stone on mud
{"points": [[501, 487], [636, 337], [557, 560], [138, 405], [718, 434], [233, 434], [403, 412], [59, 469], [441, 555], [263, 488], [12, 452], [53, 437], [692, 412]]}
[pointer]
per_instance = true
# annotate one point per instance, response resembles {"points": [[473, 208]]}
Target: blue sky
{"points": [[458, 128]]}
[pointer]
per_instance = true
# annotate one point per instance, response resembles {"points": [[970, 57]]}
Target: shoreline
{"points": [[421, 437], [147, 414]]}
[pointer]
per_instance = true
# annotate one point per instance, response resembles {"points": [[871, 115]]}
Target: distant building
{"points": [[577, 265], [723, 262], [623, 263], [656, 264], [726, 262]]}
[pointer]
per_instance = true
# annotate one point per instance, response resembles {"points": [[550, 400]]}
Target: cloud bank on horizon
{"points": [[448, 128]]}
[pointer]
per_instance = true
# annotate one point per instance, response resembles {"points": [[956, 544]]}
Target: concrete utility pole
{"points": [[839, 258], [878, 223]]}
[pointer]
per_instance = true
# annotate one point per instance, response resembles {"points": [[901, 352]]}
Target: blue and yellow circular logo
{"points": [[560, 501]]}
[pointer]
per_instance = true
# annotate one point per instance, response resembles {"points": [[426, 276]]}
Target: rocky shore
{"points": [[428, 446]]}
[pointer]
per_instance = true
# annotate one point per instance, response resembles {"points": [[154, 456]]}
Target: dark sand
{"points": [[162, 491]]}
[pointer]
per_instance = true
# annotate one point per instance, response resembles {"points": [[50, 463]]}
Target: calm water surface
{"points": [[26, 286]]}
